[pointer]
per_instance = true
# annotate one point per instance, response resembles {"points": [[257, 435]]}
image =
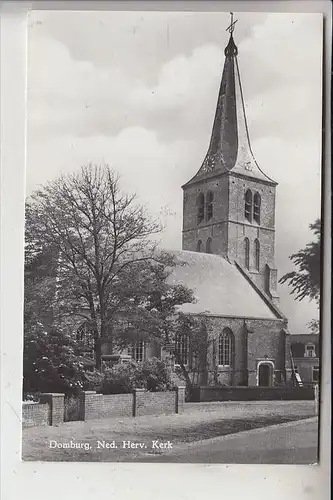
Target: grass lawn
{"points": [[139, 435]]}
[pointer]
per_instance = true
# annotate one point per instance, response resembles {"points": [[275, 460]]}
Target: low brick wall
{"points": [[94, 406], [154, 403], [35, 414], [213, 393], [49, 410], [56, 402]]}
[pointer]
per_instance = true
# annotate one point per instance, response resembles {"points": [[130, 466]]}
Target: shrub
{"points": [[31, 397], [93, 381], [50, 363], [155, 375], [119, 379], [152, 375]]}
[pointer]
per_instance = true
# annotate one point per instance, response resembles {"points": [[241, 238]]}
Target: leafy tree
{"points": [[152, 374], [89, 258], [305, 282], [194, 330], [154, 303], [92, 234], [50, 363]]}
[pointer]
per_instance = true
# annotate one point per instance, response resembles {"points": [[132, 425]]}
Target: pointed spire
{"points": [[231, 49], [229, 148]]}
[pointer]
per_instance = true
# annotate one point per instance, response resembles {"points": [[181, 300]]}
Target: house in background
{"points": [[305, 350]]}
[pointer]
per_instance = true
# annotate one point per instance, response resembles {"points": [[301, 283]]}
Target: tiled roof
{"points": [[219, 287]]}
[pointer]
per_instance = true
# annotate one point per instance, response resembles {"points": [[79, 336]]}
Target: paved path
{"points": [[290, 443]]}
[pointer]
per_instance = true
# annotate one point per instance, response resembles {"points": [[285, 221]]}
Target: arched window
{"points": [[256, 207], [209, 245], [209, 205], [257, 254], [248, 205], [181, 349], [137, 351], [247, 253], [225, 347], [200, 208], [199, 246]]}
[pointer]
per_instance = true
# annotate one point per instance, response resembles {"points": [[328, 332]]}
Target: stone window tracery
{"points": [[225, 348]]}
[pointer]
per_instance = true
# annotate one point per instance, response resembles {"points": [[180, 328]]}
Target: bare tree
{"points": [[95, 236]]}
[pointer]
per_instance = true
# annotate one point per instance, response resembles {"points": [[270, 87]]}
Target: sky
{"points": [[138, 91]]}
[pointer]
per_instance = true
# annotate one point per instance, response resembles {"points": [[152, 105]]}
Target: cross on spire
{"points": [[231, 26]]}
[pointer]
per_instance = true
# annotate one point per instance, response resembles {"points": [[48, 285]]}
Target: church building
{"points": [[228, 243], [228, 247]]}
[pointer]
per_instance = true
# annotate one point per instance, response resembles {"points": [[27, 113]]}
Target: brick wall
{"points": [[57, 406], [228, 226], [211, 393], [154, 403], [180, 402], [305, 369], [94, 406], [239, 364], [215, 228], [253, 341], [35, 414], [265, 341]]}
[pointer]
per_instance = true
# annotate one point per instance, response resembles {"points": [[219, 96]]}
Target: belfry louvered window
{"points": [[209, 202], [248, 205], [199, 246], [256, 207], [200, 208]]}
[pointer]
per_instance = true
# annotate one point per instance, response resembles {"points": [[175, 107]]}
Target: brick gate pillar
{"points": [[56, 403]]}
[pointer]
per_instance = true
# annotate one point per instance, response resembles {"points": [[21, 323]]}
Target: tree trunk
{"points": [[98, 354]]}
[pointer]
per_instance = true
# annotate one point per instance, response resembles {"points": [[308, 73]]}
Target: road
{"points": [[291, 443]]}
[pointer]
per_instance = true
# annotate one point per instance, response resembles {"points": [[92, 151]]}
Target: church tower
{"points": [[229, 205]]}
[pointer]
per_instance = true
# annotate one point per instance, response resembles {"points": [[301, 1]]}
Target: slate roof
{"points": [[219, 287], [229, 148]]}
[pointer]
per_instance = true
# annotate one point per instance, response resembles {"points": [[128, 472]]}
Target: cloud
{"points": [[138, 91]]}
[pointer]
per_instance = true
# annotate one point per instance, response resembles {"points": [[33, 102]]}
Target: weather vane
{"points": [[231, 27]]}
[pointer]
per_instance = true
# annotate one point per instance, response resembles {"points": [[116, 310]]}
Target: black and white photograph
{"points": [[173, 237]]}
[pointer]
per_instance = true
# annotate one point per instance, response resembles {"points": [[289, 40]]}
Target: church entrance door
{"points": [[265, 374]]}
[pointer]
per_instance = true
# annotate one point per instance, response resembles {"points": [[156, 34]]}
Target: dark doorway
{"points": [[265, 374]]}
